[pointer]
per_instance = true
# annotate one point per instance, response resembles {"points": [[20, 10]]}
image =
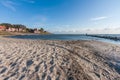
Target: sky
{"points": [[64, 16]]}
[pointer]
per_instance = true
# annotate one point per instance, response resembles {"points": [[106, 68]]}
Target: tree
{"points": [[19, 26], [41, 30], [29, 30], [7, 25]]}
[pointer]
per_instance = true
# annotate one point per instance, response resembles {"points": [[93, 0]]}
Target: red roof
{"points": [[2, 27]]}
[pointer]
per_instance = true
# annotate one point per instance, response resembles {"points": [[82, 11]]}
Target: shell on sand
{"points": [[58, 60]]}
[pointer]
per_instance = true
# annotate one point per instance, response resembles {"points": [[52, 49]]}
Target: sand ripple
{"points": [[58, 60]]}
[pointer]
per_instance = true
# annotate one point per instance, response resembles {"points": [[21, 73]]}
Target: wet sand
{"points": [[58, 60]]}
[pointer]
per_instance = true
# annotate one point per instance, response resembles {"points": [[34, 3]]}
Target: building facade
{"points": [[2, 28]]}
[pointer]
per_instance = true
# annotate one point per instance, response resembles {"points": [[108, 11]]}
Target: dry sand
{"points": [[58, 60]]}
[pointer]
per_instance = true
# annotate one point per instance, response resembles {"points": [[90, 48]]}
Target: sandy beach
{"points": [[58, 60]]}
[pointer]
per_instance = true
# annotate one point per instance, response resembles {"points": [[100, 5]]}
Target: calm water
{"points": [[69, 37], [74, 37]]}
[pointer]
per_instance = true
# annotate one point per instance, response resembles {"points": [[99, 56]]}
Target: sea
{"points": [[79, 37], [72, 37]]}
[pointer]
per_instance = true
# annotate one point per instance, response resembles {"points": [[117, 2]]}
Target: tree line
{"points": [[8, 25]]}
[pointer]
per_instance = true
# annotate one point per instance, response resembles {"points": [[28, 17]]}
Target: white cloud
{"points": [[106, 30], [99, 18], [102, 30], [8, 4], [11, 4]]}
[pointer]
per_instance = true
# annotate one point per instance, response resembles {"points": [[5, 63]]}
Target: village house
{"points": [[12, 29], [15, 29], [36, 31], [2, 28], [21, 30]]}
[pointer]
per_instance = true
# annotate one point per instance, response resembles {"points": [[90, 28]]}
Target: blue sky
{"points": [[64, 16]]}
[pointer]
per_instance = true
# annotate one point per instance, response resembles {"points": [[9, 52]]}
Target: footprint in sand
{"points": [[52, 61], [52, 68], [6, 78], [37, 68], [29, 62], [22, 76], [24, 69], [3, 70], [13, 64], [48, 77], [43, 76]]}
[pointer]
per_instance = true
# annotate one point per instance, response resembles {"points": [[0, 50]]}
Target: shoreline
{"points": [[5, 33], [56, 59], [105, 41], [20, 34]]}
